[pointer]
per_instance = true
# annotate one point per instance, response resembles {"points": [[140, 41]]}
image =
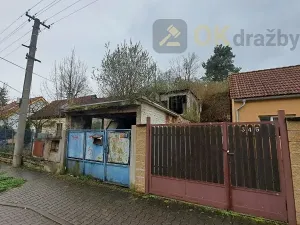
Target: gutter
{"points": [[269, 97], [238, 109]]}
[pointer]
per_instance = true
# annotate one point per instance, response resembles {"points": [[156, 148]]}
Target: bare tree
{"points": [[185, 67], [69, 79]]}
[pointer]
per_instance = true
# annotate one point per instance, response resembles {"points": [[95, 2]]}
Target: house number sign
{"points": [[250, 128]]}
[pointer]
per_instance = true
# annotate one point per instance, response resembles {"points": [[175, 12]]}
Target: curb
{"points": [[36, 210]]}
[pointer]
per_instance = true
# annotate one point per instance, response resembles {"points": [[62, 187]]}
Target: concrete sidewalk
{"points": [[53, 200]]}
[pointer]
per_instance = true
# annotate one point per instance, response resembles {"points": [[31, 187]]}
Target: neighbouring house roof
{"points": [[13, 107], [54, 109], [106, 104], [265, 83]]}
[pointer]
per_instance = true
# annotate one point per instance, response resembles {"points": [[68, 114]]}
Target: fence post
{"points": [[289, 189], [226, 168], [148, 156]]}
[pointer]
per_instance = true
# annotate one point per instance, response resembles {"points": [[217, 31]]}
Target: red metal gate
{"points": [[234, 166]]}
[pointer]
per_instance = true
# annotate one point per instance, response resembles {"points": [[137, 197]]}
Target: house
{"points": [[52, 120], [120, 114], [9, 114], [181, 101], [81, 113], [258, 95]]}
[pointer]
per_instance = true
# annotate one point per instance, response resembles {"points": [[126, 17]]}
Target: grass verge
{"points": [[7, 183]]}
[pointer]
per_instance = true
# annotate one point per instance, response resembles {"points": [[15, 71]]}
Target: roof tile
{"points": [[263, 83]]}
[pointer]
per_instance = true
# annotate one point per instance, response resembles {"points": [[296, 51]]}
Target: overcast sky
{"points": [[116, 20]]}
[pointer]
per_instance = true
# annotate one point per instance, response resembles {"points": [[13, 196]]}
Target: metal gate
{"points": [[235, 166], [102, 154]]}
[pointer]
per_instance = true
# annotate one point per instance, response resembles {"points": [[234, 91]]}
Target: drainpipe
{"points": [[237, 110]]}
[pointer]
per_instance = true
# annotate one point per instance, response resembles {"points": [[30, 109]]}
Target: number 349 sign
{"points": [[250, 128]]}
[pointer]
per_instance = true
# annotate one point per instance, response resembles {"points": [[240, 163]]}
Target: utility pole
{"points": [[19, 144]]}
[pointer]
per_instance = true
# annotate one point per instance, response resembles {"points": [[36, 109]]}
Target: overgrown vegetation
{"points": [[7, 182]]}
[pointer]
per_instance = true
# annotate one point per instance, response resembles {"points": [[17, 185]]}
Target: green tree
{"points": [[220, 64], [3, 95], [125, 71]]}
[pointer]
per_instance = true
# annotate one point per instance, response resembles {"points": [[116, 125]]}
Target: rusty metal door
{"points": [[103, 154], [256, 170], [234, 166]]}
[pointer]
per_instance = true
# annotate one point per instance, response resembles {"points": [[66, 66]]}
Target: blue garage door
{"points": [[103, 154]]}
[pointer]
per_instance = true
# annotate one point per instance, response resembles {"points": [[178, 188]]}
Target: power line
{"points": [[50, 5], [24, 68], [19, 45], [74, 12], [63, 10], [35, 5], [14, 31], [15, 41], [10, 87], [15, 49], [5, 29], [54, 3]]}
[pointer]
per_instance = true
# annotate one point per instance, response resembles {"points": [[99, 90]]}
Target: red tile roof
{"points": [[54, 109], [263, 83], [13, 107]]}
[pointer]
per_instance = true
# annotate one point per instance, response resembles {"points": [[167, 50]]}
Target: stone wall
{"points": [[140, 158], [294, 146]]}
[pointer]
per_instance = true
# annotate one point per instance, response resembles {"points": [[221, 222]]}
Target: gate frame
{"points": [[285, 175]]}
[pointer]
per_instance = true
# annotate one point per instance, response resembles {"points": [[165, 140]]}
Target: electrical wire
{"points": [[15, 49], [19, 45], [50, 5], [63, 10], [5, 29], [24, 68], [10, 87], [13, 32], [73, 12], [35, 5], [15, 41]]}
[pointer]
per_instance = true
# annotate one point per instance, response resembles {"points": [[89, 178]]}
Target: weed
{"points": [[7, 183]]}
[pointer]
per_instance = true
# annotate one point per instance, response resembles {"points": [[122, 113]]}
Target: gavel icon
{"points": [[172, 32]]}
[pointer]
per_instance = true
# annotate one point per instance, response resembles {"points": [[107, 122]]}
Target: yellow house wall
{"points": [[253, 109]]}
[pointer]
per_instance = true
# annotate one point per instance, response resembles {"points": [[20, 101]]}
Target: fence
{"points": [[236, 166], [7, 142], [254, 161]]}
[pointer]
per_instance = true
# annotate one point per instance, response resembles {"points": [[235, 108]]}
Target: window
{"points": [[273, 118], [58, 129], [54, 145], [177, 103]]}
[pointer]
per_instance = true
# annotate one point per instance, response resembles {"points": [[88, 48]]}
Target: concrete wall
{"points": [[55, 161], [253, 109], [294, 146], [191, 99], [140, 158], [157, 116], [52, 129]]}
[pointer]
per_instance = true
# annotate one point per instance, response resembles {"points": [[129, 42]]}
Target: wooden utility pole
{"points": [[19, 143]]}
